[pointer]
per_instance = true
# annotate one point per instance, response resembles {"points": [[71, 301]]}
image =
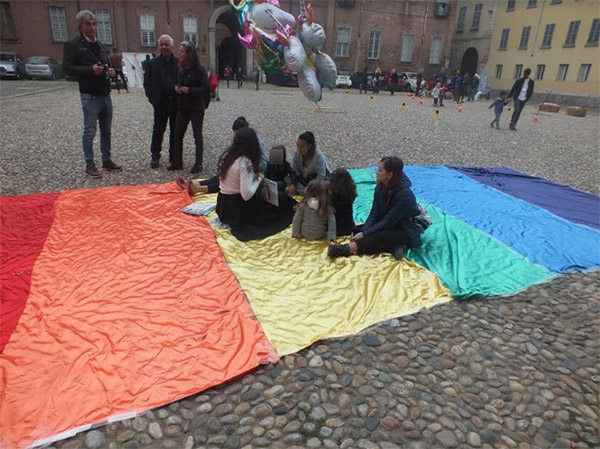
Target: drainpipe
{"points": [[168, 13], [360, 17], [537, 31]]}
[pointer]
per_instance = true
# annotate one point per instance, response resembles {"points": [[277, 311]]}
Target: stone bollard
{"points": [[576, 111], [549, 107]]}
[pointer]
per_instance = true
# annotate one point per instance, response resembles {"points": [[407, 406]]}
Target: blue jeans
{"points": [[96, 109]]}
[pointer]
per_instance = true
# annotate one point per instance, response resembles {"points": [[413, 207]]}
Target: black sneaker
{"points": [[110, 165], [399, 252], [338, 251], [197, 168], [91, 170], [173, 167], [154, 163]]}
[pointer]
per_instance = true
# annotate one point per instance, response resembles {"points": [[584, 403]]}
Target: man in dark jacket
{"points": [[520, 93], [393, 82], [85, 59], [159, 85]]}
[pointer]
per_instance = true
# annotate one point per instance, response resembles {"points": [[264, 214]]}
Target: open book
{"points": [[199, 208], [270, 192]]}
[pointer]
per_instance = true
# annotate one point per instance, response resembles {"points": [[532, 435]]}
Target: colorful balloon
{"points": [[309, 84], [326, 69]]}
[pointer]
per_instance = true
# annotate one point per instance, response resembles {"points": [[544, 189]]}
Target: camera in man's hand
{"points": [[105, 72]]}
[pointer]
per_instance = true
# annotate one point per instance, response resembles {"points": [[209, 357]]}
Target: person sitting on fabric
{"points": [[211, 185], [309, 163], [393, 224], [279, 169], [315, 218], [343, 194]]}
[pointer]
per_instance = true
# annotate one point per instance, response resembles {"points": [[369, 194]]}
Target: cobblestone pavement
{"points": [[518, 372]]}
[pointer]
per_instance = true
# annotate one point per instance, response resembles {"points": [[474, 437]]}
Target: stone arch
{"points": [[469, 61], [243, 57]]}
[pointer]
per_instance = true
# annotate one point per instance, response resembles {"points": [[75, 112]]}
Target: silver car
{"points": [[43, 67], [12, 65]]}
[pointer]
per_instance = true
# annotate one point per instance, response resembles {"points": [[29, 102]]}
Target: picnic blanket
{"points": [[115, 296]]}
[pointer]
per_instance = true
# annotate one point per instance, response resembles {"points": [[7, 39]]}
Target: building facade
{"points": [[556, 39], [474, 26], [408, 35]]}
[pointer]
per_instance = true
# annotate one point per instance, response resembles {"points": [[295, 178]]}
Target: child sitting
{"points": [[343, 193], [498, 106], [279, 169], [314, 218]]}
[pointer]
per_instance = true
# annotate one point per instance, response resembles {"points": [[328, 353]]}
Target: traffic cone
{"points": [[535, 119], [421, 101], [508, 111], [347, 93], [460, 108], [437, 113], [404, 106], [371, 99]]}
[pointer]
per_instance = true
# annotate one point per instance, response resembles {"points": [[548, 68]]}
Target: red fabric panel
{"points": [[132, 306], [24, 225]]}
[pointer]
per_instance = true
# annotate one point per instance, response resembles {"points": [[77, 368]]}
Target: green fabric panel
{"points": [[468, 262]]}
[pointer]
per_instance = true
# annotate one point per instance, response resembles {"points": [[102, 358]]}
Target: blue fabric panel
{"points": [[543, 238], [571, 204]]}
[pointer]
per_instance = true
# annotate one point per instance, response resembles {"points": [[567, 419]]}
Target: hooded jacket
{"points": [[394, 209]]}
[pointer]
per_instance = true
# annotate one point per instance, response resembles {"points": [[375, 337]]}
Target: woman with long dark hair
{"points": [[239, 203], [395, 222], [308, 163], [193, 94]]}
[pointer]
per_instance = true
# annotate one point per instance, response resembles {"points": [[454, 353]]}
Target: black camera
{"points": [[106, 72]]}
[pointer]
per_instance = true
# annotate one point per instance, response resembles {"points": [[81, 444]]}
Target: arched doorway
{"points": [[469, 61], [225, 47]]}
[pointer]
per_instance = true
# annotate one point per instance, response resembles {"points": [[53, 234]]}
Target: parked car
{"points": [[356, 80], [410, 80], [343, 78], [43, 67], [12, 65], [283, 78]]}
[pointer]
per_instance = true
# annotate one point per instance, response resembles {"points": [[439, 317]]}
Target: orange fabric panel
{"points": [[131, 306]]}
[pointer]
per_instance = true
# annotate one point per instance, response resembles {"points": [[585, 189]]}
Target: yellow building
{"points": [[556, 39]]}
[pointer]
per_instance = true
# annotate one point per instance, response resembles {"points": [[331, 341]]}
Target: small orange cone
{"points": [[508, 111], [437, 113], [404, 106], [371, 99], [460, 108], [347, 94], [535, 119], [421, 101]]}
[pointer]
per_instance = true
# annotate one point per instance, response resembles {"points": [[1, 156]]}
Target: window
{"points": [[58, 23], [584, 71], [460, 25], [436, 50], [104, 26], [555, 2], [343, 42], [532, 3], [504, 39], [524, 38], [594, 33], [548, 33], [476, 17], [562, 72], [572, 33], [518, 70], [374, 40], [408, 45], [147, 29], [190, 30], [7, 22], [511, 5], [539, 71], [499, 71], [453, 57]]}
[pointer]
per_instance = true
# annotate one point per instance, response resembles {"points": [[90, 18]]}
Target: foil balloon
{"points": [[309, 84], [312, 36], [262, 16], [326, 69]]}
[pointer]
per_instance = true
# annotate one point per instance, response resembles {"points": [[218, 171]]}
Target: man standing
{"points": [[257, 77], [228, 75], [394, 82], [239, 76], [520, 93], [116, 62], [159, 85], [85, 59]]}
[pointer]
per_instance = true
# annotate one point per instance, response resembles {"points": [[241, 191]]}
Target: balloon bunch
{"points": [[285, 41]]}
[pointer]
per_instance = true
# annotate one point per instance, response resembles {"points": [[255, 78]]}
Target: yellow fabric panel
{"points": [[300, 296]]}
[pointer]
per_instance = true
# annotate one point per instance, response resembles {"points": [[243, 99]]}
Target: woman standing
{"points": [[193, 94], [308, 163], [395, 221]]}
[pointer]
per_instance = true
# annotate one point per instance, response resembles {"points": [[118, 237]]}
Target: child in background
{"points": [[314, 218], [343, 193], [279, 169], [435, 93], [498, 106]]}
